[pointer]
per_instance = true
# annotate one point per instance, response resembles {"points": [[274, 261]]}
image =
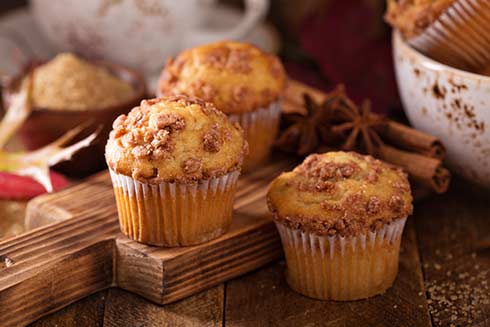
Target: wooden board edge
{"points": [[173, 279]]}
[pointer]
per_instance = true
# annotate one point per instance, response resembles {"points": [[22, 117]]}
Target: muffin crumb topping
{"points": [[192, 166], [236, 77], [340, 192], [412, 17], [212, 140], [154, 140]]}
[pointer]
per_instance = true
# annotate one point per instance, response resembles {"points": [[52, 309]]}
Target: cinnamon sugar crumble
{"points": [[192, 72], [163, 120], [212, 140], [155, 142], [345, 207], [206, 91], [315, 167], [239, 93], [237, 60], [373, 205], [396, 203], [192, 166], [320, 186], [372, 177]]}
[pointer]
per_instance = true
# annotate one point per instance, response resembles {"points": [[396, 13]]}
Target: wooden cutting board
{"points": [[82, 251]]}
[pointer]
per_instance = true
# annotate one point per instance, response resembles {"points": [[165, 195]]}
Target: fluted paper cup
{"points": [[260, 129], [174, 214], [460, 37], [342, 268]]}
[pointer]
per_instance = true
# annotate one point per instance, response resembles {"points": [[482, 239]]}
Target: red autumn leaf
{"points": [[15, 187]]}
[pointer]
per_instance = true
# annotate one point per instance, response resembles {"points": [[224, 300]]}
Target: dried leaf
{"points": [[17, 113], [36, 163]]}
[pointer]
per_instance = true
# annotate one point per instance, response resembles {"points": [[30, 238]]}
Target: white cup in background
{"points": [[138, 33]]}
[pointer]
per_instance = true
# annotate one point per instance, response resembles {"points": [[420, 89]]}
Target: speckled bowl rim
{"points": [[430, 63]]}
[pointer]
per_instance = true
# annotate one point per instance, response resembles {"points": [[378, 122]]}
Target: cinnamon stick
{"points": [[293, 96], [411, 139], [418, 153], [395, 133], [422, 169]]}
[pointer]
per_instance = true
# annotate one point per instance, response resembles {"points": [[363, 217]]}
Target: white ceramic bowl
{"points": [[449, 103]]}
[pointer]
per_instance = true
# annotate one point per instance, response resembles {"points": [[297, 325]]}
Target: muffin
{"points": [[174, 164], [240, 80], [450, 31], [412, 17], [69, 91], [340, 216]]}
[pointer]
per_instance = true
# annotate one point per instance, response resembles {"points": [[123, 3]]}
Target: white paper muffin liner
{"points": [[342, 268], [174, 214], [260, 128], [460, 37]]}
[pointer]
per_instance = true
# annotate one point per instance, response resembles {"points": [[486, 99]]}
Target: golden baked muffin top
{"points": [[340, 192], [174, 139], [412, 17], [68, 82], [236, 77]]}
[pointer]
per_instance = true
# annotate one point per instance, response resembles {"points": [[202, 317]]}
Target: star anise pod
{"points": [[360, 129], [303, 133], [335, 123]]}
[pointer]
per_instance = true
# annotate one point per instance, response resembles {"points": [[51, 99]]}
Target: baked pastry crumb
{"points": [[412, 17], [175, 138], [340, 193], [236, 77]]}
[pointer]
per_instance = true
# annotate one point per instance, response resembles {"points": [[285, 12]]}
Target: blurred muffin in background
{"points": [[412, 17], [240, 80], [453, 32]]}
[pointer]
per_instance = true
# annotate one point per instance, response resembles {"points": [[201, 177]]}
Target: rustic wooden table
{"points": [[443, 281]]}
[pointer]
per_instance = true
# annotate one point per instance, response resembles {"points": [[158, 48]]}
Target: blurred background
{"points": [[321, 42]]}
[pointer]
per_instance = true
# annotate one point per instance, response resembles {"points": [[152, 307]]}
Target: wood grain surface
{"points": [[82, 251], [446, 233], [443, 278], [272, 303], [454, 235]]}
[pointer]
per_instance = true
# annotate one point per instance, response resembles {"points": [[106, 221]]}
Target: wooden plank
{"points": [[456, 268], [86, 312], [125, 309], [89, 197], [170, 274], [251, 242], [263, 298], [51, 281], [83, 245]]}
